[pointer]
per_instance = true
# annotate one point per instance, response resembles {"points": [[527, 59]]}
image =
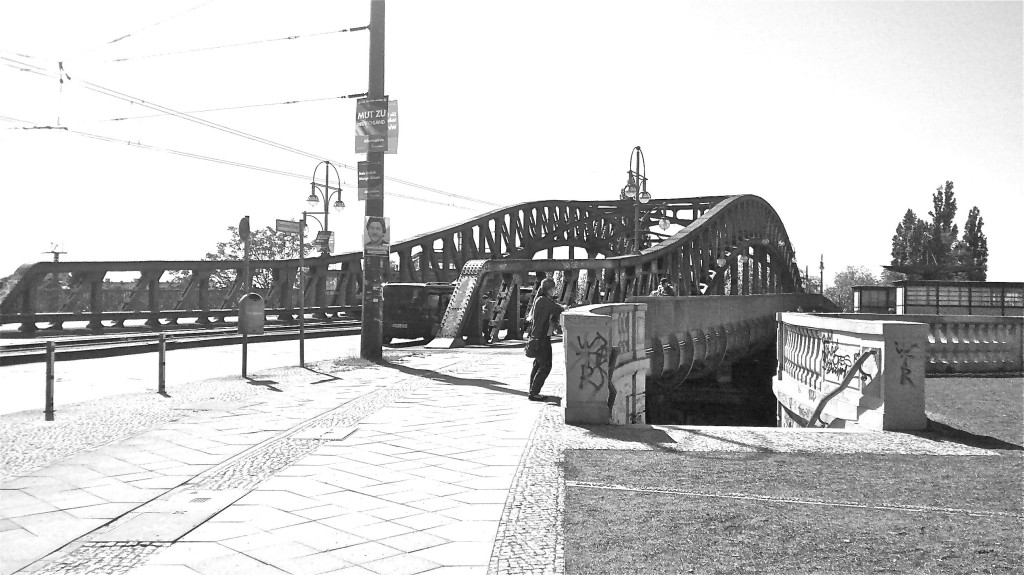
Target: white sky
{"points": [[842, 115]]}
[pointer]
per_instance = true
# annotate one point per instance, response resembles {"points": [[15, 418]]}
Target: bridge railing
{"points": [[973, 344], [816, 354], [85, 296]]}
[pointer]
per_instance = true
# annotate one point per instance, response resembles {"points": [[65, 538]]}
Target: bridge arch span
{"points": [[738, 247]]}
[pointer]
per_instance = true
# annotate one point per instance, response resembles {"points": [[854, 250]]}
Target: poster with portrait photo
{"points": [[376, 236]]}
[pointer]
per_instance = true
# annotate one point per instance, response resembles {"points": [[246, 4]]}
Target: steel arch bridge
{"points": [[721, 245]]}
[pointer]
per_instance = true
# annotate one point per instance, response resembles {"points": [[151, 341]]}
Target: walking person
{"points": [[545, 313], [487, 315]]}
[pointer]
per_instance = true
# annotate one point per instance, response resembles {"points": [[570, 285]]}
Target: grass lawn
{"points": [[990, 407], [789, 513], [617, 532]]}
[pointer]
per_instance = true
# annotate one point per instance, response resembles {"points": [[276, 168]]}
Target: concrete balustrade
{"points": [[816, 353], [693, 336], [611, 349], [605, 364], [967, 343]]}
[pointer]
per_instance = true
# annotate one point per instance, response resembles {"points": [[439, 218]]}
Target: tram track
{"points": [[68, 347]]}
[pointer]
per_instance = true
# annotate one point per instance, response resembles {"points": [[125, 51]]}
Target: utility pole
{"points": [[55, 250], [371, 340], [821, 268]]}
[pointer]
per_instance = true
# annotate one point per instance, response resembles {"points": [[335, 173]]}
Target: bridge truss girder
{"points": [[710, 227]]}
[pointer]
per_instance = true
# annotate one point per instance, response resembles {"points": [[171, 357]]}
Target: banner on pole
{"points": [[392, 127], [371, 181], [325, 241], [371, 125]]}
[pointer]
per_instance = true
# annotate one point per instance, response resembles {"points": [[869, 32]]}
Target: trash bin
{"points": [[251, 314]]}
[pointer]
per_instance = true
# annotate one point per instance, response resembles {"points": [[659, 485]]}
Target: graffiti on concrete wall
{"points": [[905, 354], [592, 357], [832, 361]]}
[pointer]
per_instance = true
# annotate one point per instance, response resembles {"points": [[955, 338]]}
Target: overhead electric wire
{"points": [[20, 55], [251, 43], [132, 99], [363, 95], [10, 119], [153, 106], [148, 26], [181, 153], [239, 164]]}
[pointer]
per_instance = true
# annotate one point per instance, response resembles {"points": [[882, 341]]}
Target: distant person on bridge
{"points": [[665, 289], [488, 314], [545, 313]]}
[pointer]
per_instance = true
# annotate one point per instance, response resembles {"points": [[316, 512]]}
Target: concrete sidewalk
{"points": [[434, 462], [399, 468]]}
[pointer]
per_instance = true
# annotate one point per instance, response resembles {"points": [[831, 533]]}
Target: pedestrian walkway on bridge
{"points": [[432, 462]]}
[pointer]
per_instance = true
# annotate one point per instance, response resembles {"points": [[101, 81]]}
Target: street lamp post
{"points": [[324, 192], [320, 193], [317, 193], [636, 190]]}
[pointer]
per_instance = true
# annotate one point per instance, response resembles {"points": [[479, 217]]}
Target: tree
{"points": [[973, 247], [841, 290], [944, 231], [910, 243], [933, 248], [264, 244], [889, 277]]}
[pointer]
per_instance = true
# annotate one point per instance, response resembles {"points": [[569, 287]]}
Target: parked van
{"points": [[414, 310]]}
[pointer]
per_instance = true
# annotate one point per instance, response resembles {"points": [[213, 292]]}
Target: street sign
{"points": [[370, 180], [287, 226], [371, 125]]}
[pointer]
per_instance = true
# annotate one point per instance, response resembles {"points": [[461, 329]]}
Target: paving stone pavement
{"points": [[401, 468], [433, 462]]}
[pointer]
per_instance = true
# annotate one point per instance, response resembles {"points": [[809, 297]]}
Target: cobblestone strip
{"points": [[530, 536], [257, 465], [103, 558]]}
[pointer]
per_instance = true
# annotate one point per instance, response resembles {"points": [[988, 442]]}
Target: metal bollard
{"points": [[245, 354], [51, 356], [162, 382]]}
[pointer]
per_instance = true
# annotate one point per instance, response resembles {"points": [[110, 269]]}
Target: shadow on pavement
{"points": [[659, 438], [454, 380], [327, 375], [268, 383], [942, 432]]}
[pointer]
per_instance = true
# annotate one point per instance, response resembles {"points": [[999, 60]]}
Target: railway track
{"points": [[14, 352]]}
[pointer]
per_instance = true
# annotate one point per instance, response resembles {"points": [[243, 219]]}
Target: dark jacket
{"points": [[545, 311]]}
